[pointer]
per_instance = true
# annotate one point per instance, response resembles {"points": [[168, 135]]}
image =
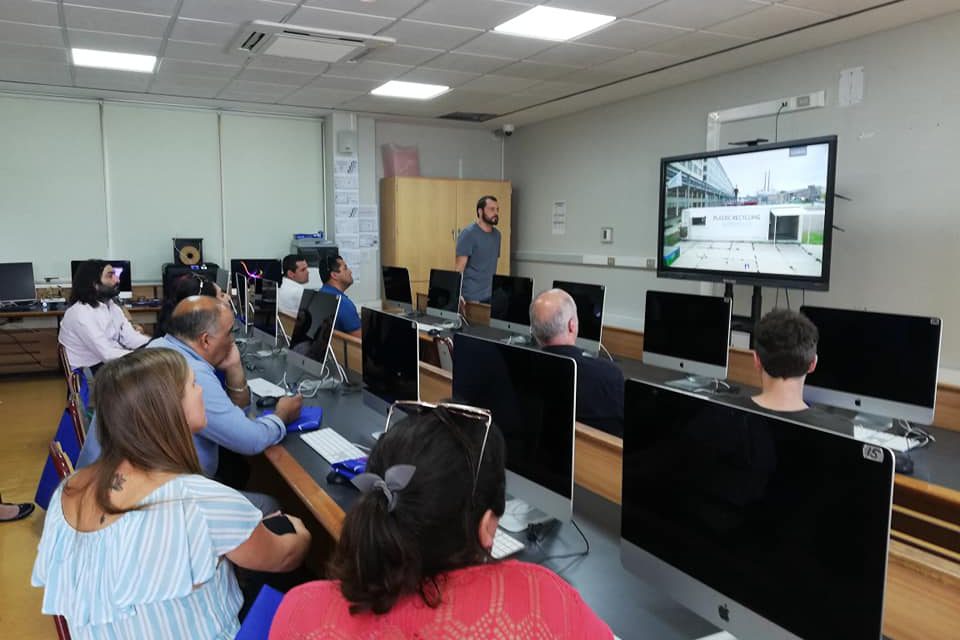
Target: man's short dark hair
{"points": [[290, 262], [482, 203], [786, 343], [330, 264]]}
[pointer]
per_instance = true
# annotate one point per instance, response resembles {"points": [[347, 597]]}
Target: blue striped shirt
{"points": [[154, 573]]}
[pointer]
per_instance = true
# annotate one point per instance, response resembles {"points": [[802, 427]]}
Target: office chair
{"points": [[63, 466]]}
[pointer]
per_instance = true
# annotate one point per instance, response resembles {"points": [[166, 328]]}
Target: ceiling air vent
{"points": [[304, 43], [468, 116]]}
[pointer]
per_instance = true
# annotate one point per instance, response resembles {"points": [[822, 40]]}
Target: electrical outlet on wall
{"points": [[606, 235]]}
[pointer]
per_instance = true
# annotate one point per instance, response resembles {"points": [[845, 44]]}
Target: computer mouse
{"points": [[267, 402], [902, 463], [335, 478]]}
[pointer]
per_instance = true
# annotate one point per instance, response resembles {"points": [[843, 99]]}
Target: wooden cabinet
{"points": [[420, 219], [28, 350]]}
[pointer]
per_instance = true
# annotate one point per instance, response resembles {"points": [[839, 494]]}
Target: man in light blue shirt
{"points": [[337, 278], [201, 329]]}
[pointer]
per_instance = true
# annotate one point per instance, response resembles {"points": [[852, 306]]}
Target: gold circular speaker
{"points": [[189, 254]]}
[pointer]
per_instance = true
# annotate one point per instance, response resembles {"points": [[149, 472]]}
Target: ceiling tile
{"points": [[113, 80], [400, 54], [553, 90], [275, 76], [447, 77], [255, 91], [505, 46], [499, 84], [36, 35], [638, 62], [618, 8], [198, 69], [467, 62], [31, 12], [218, 34], [235, 10], [18, 70], [627, 34], [158, 7], [177, 84], [526, 69], [698, 43], [768, 21], [367, 70], [696, 14], [10, 51], [202, 53], [479, 14], [351, 85], [594, 76], [389, 8], [338, 20], [506, 104], [834, 7], [578, 55], [287, 64], [313, 97], [434, 36], [110, 21], [114, 42]]}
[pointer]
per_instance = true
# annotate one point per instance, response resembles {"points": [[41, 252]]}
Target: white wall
{"points": [[73, 189], [445, 152], [896, 160]]}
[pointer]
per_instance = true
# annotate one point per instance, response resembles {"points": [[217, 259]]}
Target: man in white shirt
{"points": [[291, 290], [94, 329]]}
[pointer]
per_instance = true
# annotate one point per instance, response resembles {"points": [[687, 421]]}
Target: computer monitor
{"points": [[396, 288], [510, 303], [765, 527], [16, 282], [443, 295], [121, 268], [258, 270], [313, 331], [532, 396], [391, 359], [265, 318], [223, 280], [687, 333], [589, 299], [880, 364]]}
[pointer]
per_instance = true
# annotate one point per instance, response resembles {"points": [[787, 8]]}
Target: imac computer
{"points": [[690, 334], [532, 396], [396, 288], [257, 270], [122, 270], [391, 359], [313, 331], [589, 299], [767, 528], [265, 320], [882, 365], [443, 295], [510, 304], [16, 282]]}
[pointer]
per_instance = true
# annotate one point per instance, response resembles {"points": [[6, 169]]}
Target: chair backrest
{"points": [[444, 352], [256, 625], [61, 461], [64, 363]]}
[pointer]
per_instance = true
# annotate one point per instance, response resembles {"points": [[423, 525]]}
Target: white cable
{"points": [[604, 349]]}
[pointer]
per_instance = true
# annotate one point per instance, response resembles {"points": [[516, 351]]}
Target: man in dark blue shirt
{"points": [[553, 322], [337, 278]]}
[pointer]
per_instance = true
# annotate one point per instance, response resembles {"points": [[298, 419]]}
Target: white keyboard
{"points": [[332, 446], [505, 545], [881, 438], [266, 389]]}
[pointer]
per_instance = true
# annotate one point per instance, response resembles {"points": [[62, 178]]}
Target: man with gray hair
{"points": [[201, 328], [553, 322]]}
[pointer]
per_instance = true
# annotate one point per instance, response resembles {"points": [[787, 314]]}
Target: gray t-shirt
{"points": [[482, 250]]}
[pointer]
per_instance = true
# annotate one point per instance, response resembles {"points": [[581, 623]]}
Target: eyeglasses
{"points": [[475, 413]]}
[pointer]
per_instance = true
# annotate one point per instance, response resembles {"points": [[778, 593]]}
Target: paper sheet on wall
{"points": [[346, 226], [559, 218], [345, 165], [346, 182], [351, 198], [360, 261], [346, 211]]}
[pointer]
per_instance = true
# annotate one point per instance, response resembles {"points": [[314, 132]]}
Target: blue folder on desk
{"points": [[310, 420]]}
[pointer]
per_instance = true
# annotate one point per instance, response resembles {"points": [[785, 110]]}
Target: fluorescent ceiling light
{"points": [[414, 90], [549, 23], [114, 60]]}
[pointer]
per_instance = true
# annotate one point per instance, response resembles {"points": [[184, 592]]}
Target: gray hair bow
{"points": [[395, 479]]}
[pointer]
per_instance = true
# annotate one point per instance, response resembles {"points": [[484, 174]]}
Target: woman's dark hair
{"points": [[384, 555], [85, 281], [185, 286]]}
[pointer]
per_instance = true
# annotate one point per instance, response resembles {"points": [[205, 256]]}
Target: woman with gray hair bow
{"points": [[414, 554]]}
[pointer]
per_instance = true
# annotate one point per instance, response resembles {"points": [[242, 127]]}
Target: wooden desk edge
{"points": [[327, 512]]}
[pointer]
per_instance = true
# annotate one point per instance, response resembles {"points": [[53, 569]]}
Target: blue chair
{"points": [[256, 626]]}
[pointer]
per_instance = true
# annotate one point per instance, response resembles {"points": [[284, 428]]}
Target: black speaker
{"points": [[188, 251]]}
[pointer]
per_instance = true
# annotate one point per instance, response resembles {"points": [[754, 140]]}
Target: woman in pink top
{"points": [[414, 554]]}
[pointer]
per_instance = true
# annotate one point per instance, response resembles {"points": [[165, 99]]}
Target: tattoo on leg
{"points": [[118, 480]]}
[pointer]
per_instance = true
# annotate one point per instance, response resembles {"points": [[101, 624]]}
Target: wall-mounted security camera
{"points": [[504, 131]]}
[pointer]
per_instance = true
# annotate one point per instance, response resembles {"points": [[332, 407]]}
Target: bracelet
{"points": [[240, 390]]}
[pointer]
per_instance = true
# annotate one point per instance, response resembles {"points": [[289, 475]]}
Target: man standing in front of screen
{"points": [[478, 249]]}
